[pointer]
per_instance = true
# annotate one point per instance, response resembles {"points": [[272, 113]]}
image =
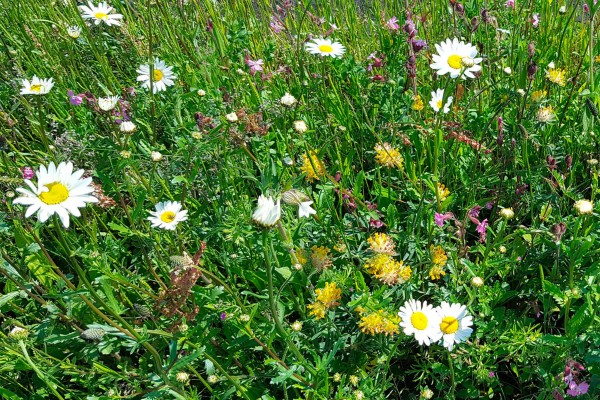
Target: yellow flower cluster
{"points": [[381, 243], [388, 270], [301, 256], [327, 298], [417, 104], [538, 95], [388, 156], [556, 75], [442, 192], [312, 166], [320, 258], [438, 259], [380, 322]]}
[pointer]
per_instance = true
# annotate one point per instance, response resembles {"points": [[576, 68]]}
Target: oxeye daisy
{"points": [[457, 58], [268, 212], [454, 324], [37, 86], [437, 99], [420, 320], [325, 47], [162, 76], [100, 13], [59, 190], [167, 215]]}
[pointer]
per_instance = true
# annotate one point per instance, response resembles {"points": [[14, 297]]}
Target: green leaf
{"points": [[8, 297], [581, 320], [555, 292]]}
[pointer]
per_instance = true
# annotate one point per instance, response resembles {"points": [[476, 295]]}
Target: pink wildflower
{"points": [[255, 66], [509, 3], [392, 24], [441, 218], [536, 20]]}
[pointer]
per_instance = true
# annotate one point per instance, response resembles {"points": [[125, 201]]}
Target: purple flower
{"points": [[392, 24], [255, 66], [509, 3], [223, 316], [276, 25], [74, 99], [418, 45], [535, 21], [28, 173], [492, 374], [375, 223], [482, 227], [441, 218], [577, 389]]}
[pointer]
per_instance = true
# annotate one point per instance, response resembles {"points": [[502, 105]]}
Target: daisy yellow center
{"points": [[325, 48], [157, 75], [439, 104], [101, 15], [455, 61], [449, 325], [36, 88], [167, 216], [56, 194], [419, 320]]}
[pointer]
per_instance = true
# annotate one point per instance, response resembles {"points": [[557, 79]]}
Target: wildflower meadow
{"points": [[299, 199]]}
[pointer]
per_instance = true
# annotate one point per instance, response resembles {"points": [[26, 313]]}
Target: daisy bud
{"points": [[201, 93], [18, 333], [507, 213], [182, 377], [74, 31], [354, 380], [213, 379], [183, 328], [232, 117], [300, 126], [244, 318], [125, 154], [127, 127], [10, 194], [477, 281], [467, 62], [502, 249], [294, 197], [507, 71], [288, 100], [427, 393], [359, 395], [197, 135], [156, 156], [267, 213], [298, 267], [337, 377], [584, 207]]}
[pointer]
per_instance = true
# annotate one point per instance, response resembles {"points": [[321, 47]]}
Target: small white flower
{"points": [[300, 126], [213, 379], [584, 207], [305, 210], [182, 377], [288, 100], [167, 215], [507, 71], [268, 212], [562, 9], [162, 76], [101, 13], [108, 103], [201, 93], [521, 92], [37, 86], [74, 31], [325, 47], [437, 99], [18, 333], [232, 117], [128, 127], [156, 156], [477, 281], [551, 65]]}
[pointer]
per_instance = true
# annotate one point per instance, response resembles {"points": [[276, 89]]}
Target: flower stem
{"points": [[37, 370]]}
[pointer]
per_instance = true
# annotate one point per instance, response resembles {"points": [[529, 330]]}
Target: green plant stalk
{"points": [[128, 327], [37, 371], [229, 377]]}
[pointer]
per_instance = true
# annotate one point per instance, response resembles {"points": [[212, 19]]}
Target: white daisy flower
{"points": [[288, 100], [437, 99], [325, 47], [162, 76], [36, 86], [167, 215], [74, 31], [420, 320], [455, 324], [100, 13], [59, 191], [128, 127], [108, 103], [457, 58], [305, 210], [268, 212]]}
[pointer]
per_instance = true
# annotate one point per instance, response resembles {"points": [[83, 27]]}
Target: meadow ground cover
{"points": [[299, 199]]}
